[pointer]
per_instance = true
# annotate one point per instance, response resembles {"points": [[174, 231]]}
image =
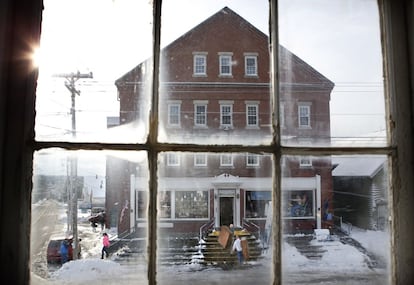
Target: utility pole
{"points": [[70, 84]]}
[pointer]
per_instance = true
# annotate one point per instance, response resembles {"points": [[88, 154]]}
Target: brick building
{"points": [[215, 89]]}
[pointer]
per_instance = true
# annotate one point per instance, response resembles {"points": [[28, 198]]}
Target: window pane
{"points": [[88, 69], [86, 194], [335, 214], [207, 206], [232, 38], [331, 64]]}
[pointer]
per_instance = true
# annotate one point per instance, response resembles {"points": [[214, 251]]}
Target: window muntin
{"points": [[250, 62], [200, 64], [225, 65]]}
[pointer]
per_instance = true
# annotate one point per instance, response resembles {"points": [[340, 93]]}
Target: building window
{"points": [[252, 115], [200, 159], [225, 65], [200, 64], [226, 115], [226, 159], [174, 114], [173, 159], [305, 161], [258, 204], [200, 114], [250, 63], [304, 116], [299, 204], [191, 204], [252, 159], [164, 201]]}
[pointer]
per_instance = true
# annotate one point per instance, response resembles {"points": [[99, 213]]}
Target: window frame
{"points": [[397, 24], [247, 67], [301, 115], [196, 57], [255, 105], [172, 115], [223, 64], [197, 115]]}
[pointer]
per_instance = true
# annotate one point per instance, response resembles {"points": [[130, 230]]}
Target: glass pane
{"points": [[205, 200], [91, 59], [214, 71], [331, 76], [335, 213], [85, 194]]}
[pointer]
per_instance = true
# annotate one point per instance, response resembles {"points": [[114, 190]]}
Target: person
{"points": [[64, 251], [106, 243], [238, 248]]}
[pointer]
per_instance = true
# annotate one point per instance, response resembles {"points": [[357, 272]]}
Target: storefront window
{"points": [[191, 204], [299, 204], [257, 203]]}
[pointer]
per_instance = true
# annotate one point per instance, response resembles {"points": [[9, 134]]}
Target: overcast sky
{"points": [[338, 38]]}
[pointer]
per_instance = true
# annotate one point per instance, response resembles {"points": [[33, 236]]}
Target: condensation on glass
{"points": [[79, 195], [89, 65], [331, 75], [215, 74], [205, 200], [335, 212]]}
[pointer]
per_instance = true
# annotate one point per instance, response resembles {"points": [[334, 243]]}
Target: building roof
{"points": [[362, 166], [288, 60]]}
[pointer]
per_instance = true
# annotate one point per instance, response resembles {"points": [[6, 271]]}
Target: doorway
{"points": [[226, 211]]}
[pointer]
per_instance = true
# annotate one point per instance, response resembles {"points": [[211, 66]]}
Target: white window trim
{"points": [[197, 55], [199, 155], [254, 104], [224, 55], [173, 159], [254, 57], [227, 155], [174, 104], [257, 158], [230, 104], [308, 107], [196, 104]]}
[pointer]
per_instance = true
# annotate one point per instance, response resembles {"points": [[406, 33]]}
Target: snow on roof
{"points": [[364, 165]]}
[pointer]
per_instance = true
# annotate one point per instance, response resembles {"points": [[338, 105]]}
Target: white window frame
{"points": [[250, 70], [226, 113], [198, 115], [304, 115], [305, 161], [171, 114], [200, 159], [225, 62], [226, 159], [200, 64], [249, 105], [173, 159], [252, 160]]}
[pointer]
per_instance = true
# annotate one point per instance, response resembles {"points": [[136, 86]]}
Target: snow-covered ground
{"points": [[340, 264]]}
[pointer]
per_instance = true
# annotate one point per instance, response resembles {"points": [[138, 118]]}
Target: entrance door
{"points": [[226, 211]]}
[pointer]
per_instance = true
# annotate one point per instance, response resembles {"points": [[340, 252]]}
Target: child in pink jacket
{"points": [[106, 243]]}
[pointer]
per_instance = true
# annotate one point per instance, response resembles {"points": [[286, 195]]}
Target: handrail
{"points": [[206, 226], [251, 224]]}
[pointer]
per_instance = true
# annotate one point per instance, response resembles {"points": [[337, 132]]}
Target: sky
{"points": [[338, 38], [338, 259]]}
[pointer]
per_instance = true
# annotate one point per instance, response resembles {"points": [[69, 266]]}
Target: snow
{"points": [[338, 259]]}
